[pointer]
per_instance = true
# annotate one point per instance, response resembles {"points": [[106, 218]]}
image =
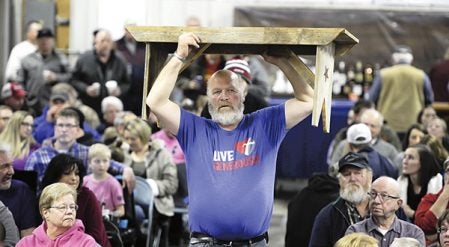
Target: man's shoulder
{"points": [[87, 56], [408, 226], [44, 149], [332, 207]]}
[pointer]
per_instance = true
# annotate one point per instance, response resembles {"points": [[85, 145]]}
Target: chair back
{"points": [[113, 233], [143, 195]]}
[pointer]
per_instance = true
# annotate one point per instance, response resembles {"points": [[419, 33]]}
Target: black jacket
{"points": [[302, 209]]}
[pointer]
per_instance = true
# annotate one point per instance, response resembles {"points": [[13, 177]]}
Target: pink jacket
{"points": [[74, 236]]}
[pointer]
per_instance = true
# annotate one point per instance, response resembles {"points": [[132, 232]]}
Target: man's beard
{"points": [[230, 117], [353, 193]]}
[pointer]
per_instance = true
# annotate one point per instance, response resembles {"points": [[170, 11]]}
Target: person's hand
{"points": [[129, 180], [52, 111], [185, 43], [115, 92], [93, 90], [49, 76]]}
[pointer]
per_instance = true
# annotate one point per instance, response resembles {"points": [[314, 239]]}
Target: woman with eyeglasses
{"points": [[57, 205], [420, 175], [18, 135], [70, 170], [432, 207]]}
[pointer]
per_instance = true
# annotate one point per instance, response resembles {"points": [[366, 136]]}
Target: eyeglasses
{"points": [[67, 126], [5, 118], [28, 125], [383, 196], [63, 208]]}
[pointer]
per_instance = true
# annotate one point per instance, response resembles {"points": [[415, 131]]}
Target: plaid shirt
{"points": [[39, 159]]}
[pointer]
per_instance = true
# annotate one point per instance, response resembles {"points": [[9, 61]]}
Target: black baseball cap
{"points": [[45, 32], [353, 159]]}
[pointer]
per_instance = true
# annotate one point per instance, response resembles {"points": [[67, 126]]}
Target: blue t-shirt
{"points": [[231, 173]]}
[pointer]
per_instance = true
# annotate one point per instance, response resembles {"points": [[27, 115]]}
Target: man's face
{"points": [[373, 123], [386, 200], [6, 171], [45, 45], [110, 113], [225, 101], [354, 183], [15, 103], [5, 115], [33, 30], [66, 130], [103, 43]]}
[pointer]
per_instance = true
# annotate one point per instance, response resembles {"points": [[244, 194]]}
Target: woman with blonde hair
{"points": [[58, 208], [149, 159], [357, 239], [18, 135]]}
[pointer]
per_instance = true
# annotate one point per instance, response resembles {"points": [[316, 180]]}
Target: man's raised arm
{"points": [[168, 112], [300, 107]]}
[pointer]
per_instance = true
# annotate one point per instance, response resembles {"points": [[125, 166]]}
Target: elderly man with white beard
{"points": [[231, 159], [355, 177]]}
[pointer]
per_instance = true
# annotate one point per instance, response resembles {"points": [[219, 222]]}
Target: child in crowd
{"points": [[106, 188]]}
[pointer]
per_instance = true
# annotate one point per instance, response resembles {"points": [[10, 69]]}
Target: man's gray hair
{"points": [[5, 148]]}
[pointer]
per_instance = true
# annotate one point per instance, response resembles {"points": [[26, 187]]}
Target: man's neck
{"points": [[63, 146], [362, 207], [384, 222], [228, 127]]}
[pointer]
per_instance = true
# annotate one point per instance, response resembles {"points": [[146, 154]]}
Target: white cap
{"points": [[358, 134]]}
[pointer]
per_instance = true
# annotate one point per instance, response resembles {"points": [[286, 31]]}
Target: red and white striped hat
{"points": [[240, 67]]}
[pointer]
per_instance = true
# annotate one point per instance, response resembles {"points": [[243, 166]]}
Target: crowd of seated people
{"points": [[67, 123]]}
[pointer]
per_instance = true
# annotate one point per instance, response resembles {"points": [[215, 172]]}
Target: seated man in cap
{"points": [[383, 224], [253, 101], [354, 176], [359, 140], [41, 70], [13, 95], [45, 123]]}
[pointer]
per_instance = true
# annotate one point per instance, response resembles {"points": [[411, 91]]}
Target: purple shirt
{"points": [[19, 163]]}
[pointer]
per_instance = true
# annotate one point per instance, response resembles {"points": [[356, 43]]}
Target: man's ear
{"points": [[400, 203]]}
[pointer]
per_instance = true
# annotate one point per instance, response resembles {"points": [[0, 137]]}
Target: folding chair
{"points": [[143, 195], [113, 233]]}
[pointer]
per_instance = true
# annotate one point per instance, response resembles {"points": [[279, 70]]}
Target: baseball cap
{"points": [[240, 67], [45, 32], [358, 134], [402, 49], [13, 89], [59, 96], [353, 159]]}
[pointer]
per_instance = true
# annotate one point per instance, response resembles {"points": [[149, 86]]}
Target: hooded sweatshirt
{"points": [[74, 236]]}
